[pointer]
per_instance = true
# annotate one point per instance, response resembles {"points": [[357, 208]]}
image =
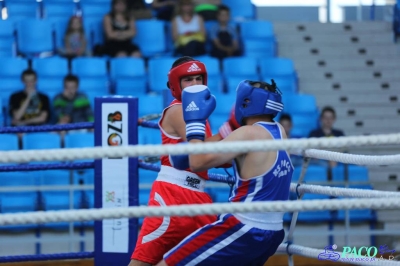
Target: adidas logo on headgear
{"points": [[193, 68], [192, 107]]}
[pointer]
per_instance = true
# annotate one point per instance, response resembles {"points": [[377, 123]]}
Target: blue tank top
{"points": [[273, 184]]}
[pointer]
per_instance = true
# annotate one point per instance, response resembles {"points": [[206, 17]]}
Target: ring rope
{"points": [[53, 166], [44, 257], [211, 147], [313, 253], [342, 192], [352, 158], [197, 209]]}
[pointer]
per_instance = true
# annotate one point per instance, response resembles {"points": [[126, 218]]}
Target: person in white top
{"points": [[188, 31]]}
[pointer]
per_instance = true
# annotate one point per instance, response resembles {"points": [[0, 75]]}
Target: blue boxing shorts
{"points": [[226, 242]]}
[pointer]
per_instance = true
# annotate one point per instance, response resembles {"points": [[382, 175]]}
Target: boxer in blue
{"points": [[238, 238]]}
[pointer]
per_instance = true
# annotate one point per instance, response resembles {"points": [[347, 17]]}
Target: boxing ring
{"points": [[116, 169]]}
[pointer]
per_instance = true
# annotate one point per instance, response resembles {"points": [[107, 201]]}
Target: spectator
{"points": [[29, 107], [286, 121], [72, 106], [164, 9], [74, 39], [119, 29], [188, 31], [207, 8], [223, 36], [327, 119]]}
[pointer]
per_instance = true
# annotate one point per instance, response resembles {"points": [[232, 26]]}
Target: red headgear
{"points": [[186, 69]]}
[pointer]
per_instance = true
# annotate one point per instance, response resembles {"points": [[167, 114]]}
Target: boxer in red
{"points": [[172, 186]]}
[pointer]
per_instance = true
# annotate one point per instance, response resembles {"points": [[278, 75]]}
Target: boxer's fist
{"points": [[197, 105], [229, 125]]}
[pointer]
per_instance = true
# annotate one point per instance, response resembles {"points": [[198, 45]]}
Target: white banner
{"points": [[115, 176]]}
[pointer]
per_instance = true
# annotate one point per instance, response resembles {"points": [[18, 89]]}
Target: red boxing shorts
{"points": [[160, 234]]}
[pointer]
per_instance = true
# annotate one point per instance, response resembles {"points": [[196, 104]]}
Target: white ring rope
{"points": [[313, 253], [198, 209], [352, 158], [342, 192], [211, 147]]}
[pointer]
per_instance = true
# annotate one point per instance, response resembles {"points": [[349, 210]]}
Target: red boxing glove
{"points": [[229, 125]]}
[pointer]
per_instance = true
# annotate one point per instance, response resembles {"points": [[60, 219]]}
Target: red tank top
{"points": [[168, 139]]}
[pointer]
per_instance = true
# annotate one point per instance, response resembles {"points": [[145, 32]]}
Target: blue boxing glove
{"points": [[180, 162], [198, 104]]}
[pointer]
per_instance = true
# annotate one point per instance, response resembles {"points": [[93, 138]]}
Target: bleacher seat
{"points": [[214, 75], [305, 104], [9, 142], [285, 86], [240, 10], [12, 67], [236, 69], [363, 215], [355, 173], [277, 67], [34, 141], [129, 75], [7, 87], [258, 38], [11, 202], [6, 37], [303, 124], [34, 37], [147, 176], [150, 104], [83, 177], [79, 140], [150, 44], [59, 26], [95, 9], [144, 196], [314, 173], [53, 67], [225, 103], [94, 87], [18, 10], [315, 216], [94, 32], [149, 135], [158, 69], [50, 86], [89, 67], [59, 9]]}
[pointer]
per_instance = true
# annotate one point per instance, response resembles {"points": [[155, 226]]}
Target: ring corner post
{"points": [[116, 179]]}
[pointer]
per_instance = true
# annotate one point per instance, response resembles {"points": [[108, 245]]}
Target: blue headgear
{"points": [[251, 101]]}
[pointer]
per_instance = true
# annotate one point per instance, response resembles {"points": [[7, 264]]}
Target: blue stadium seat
{"points": [[95, 9], [22, 10], [50, 86], [301, 104], [243, 9], [219, 193], [129, 75], [256, 29], [150, 44], [34, 37], [89, 67], [7, 87], [12, 67], [158, 67], [363, 215], [315, 173], [236, 69], [6, 37], [79, 140], [11, 202], [355, 173], [314, 216], [99, 85], [285, 86], [226, 103], [216, 120], [58, 9], [259, 48], [147, 176], [149, 135], [37, 141], [54, 67], [83, 177], [214, 75], [144, 196], [8, 142], [94, 32], [150, 104], [277, 67], [302, 125]]}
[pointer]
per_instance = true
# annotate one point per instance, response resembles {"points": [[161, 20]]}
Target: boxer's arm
{"points": [[201, 162]]}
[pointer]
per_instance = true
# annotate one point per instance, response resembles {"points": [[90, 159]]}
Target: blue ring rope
{"points": [[44, 257], [53, 166], [212, 177]]}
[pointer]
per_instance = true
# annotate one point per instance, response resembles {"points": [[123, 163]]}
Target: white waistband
{"points": [[181, 178], [267, 220]]}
